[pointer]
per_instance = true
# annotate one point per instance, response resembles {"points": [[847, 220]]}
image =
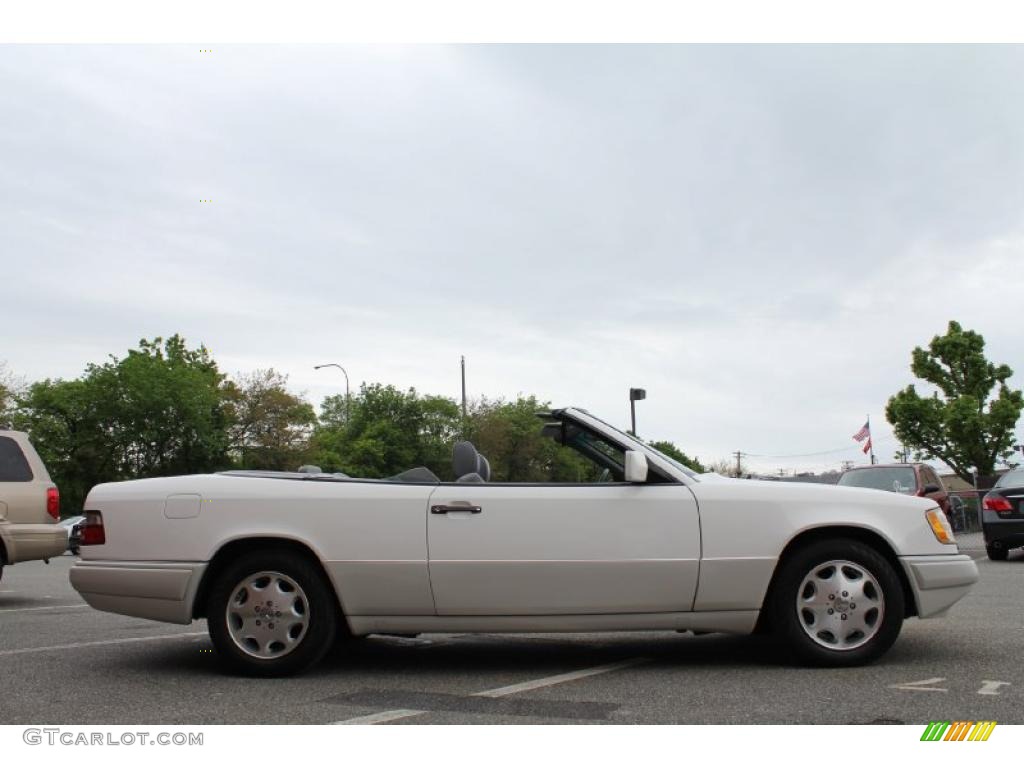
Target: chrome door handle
{"points": [[459, 506]]}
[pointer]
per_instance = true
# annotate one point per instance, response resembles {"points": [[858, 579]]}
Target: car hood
{"points": [[777, 490]]}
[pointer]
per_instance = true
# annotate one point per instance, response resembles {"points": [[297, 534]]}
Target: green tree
{"points": [[268, 426], [160, 410], [382, 431], [966, 427], [672, 451], [508, 433]]}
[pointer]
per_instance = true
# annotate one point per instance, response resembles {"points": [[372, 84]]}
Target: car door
{"points": [[545, 549]]}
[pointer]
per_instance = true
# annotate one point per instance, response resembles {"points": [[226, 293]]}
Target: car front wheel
{"points": [[271, 614], [837, 603]]}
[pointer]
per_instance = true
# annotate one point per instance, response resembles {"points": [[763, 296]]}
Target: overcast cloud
{"points": [[757, 235]]}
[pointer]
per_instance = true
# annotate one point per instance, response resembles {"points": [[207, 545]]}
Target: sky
{"points": [[758, 236]]}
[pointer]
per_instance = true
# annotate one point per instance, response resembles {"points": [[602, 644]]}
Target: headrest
{"points": [[465, 459]]}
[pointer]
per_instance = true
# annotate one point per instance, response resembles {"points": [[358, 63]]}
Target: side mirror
{"points": [[636, 467], [931, 489]]}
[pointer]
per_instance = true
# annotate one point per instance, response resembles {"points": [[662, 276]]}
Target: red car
{"points": [[910, 479]]}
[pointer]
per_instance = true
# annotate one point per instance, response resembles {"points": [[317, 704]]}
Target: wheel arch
{"points": [[229, 550], [866, 536]]}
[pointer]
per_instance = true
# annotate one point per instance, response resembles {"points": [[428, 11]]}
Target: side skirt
{"points": [[737, 622]]}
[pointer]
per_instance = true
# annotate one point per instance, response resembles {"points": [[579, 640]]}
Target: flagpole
{"points": [[870, 441]]}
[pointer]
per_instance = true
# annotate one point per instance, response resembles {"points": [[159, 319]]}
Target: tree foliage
{"points": [[965, 426], [10, 386], [382, 431], [166, 409], [157, 411], [508, 433], [268, 426], [728, 468], [672, 451]]}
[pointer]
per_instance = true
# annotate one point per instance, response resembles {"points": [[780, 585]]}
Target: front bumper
{"points": [[158, 591], [938, 581]]}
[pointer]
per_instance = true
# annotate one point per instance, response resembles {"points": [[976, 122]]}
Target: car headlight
{"points": [[940, 526]]}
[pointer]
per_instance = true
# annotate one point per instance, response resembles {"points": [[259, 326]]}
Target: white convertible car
{"points": [[282, 565]]}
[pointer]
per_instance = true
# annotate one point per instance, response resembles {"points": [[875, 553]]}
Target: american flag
{"points": [[867, 446], [865, 431]]}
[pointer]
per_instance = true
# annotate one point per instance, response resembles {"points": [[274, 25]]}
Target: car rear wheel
{"points": [[996, 551], [837, 603], [271, 614]]}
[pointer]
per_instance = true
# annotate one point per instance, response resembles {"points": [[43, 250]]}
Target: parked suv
{"points": [[910, 479], [29, 504]]}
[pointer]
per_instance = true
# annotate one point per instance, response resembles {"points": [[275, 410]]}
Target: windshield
{"points": [[1015, 477], [897, 479], [628, 437]]}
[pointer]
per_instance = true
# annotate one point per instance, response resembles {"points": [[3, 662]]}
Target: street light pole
{"points": [[634, 395], [347, 400]]}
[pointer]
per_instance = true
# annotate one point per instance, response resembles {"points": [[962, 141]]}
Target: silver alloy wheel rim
{"points": [[267, 615], [840, 605]]}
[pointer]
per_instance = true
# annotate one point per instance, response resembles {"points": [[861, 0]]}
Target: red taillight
{"points": [[91, 530], [997, 504], [53, 502]]}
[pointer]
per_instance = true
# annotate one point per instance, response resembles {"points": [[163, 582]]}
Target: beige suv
{"points": [[29, 504]]}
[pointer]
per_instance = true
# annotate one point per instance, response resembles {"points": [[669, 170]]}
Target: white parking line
{"points": [[543, 682], [381, 717], [921, 685], [44, 608], [71, 646], [494, 693], [991, 687]]}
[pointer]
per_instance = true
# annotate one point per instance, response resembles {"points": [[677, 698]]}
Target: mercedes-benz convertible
{"points": [[284, 565]]}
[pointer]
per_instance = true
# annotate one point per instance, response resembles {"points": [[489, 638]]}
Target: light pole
{"points": [[335, 365], [634, 395]]}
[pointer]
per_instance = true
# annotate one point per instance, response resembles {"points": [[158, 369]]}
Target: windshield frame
{"points": [[627, 439]]}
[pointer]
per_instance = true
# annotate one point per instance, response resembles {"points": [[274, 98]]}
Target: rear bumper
{"points": [[158, 591], [1008, 532], [938, 581], [33, 541]]}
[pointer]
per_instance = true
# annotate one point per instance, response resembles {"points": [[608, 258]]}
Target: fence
{"points": [[965, 510]]}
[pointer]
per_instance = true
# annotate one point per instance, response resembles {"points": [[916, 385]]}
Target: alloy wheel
{"points": [[267, 615], [840, 605]]}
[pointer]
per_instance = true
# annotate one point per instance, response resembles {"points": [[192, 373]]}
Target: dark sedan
{"points": [[1002, 515], [73, 526]]}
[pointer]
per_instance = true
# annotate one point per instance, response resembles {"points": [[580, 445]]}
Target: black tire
{"points": [[318, 623], [788, 623], [996, 552]]}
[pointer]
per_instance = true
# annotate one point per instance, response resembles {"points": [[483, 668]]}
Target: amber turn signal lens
{"points": [[940, 526]]}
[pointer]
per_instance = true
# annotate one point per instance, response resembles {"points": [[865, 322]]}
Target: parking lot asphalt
{"points": [[63, 662]]}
